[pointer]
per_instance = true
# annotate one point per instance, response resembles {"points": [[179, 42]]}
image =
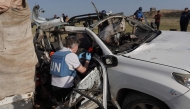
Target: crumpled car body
{"points": [[152, 69]]}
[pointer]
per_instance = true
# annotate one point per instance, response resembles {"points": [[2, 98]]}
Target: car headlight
{"points": [[183, 79]]}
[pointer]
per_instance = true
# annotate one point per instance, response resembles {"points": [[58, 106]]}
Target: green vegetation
{"points": [[169, 23]]}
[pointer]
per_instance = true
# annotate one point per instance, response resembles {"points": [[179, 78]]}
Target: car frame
{"points": [[139, 81], [144, 76]]}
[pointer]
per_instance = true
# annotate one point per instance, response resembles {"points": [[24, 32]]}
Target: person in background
{"points": [[138, 15], [103, 15], [64, 17], [157, 18], [184, 19], [55, 16], [63, 79]]}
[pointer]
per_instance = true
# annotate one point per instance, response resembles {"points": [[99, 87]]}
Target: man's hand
{"points": [[80, 55], [82, 69], [88, 56], [134, 16]]}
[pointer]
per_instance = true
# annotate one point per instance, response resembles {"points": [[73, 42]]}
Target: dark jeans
{"points": [[183, 26], [61, 93], [158, 25]]}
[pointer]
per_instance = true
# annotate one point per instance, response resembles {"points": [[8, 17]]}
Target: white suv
{"points": [[153, 69], [147, 69]]}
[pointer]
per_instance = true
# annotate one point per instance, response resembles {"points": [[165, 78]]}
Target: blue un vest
{"points": [[139, 14], [58, 65]]}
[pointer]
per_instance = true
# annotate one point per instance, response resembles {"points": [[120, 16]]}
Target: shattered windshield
{"points": [[123, 34]]}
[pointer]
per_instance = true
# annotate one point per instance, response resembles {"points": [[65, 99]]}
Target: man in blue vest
{"points": [[63, 65], [138, 15]]}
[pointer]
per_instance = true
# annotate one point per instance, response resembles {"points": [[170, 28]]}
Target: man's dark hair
{"points": [[72, 41], [158, 11]]}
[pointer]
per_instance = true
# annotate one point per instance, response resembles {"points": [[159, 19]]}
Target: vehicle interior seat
{"points": [[85, 41]]}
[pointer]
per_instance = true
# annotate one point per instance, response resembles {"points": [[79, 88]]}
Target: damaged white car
{"points": [[134, 65]]}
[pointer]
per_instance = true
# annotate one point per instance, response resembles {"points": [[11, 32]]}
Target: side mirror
{"points": [[109, 61]]}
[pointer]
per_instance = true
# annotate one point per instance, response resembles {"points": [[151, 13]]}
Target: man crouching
{"points": [[63, 65]]}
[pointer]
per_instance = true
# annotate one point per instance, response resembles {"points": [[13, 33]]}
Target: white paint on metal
{"points": [[104, 48], [169, 48], [15, 98]]}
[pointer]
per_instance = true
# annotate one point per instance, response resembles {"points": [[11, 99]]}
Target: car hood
{"points": [[170, 48]]}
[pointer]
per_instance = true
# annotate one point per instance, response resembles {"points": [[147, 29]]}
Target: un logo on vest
{"points": [[55, 67]]}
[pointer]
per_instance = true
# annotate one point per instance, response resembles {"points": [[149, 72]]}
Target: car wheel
{"points": [[142, 101]]}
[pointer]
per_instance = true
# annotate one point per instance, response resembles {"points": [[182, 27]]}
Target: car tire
{"points": [[142, 101]]}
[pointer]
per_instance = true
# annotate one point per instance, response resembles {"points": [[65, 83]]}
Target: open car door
{"points": [[92, 91]]}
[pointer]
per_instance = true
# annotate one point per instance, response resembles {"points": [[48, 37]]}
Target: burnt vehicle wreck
{"points": [[91, 89], [104, 37]]}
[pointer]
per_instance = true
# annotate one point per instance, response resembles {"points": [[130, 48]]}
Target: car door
{"points": [[91, 91]]}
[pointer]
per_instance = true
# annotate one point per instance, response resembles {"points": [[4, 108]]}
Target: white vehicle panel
{"points": [[20, 101], [169, 48], [181, 102], [153, 79]]}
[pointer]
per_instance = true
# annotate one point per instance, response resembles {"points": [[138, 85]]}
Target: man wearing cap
{"points": [[138, 15]]}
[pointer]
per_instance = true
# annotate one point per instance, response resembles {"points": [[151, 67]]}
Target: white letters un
{"points": [[56, 67]]}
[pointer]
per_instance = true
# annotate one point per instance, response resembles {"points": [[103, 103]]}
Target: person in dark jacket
{"points": [[184, 19], [64, 17], [105, 23], [157, 18]]}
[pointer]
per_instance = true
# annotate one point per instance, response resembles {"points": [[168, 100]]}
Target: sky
{"points": [[78, 7]]}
